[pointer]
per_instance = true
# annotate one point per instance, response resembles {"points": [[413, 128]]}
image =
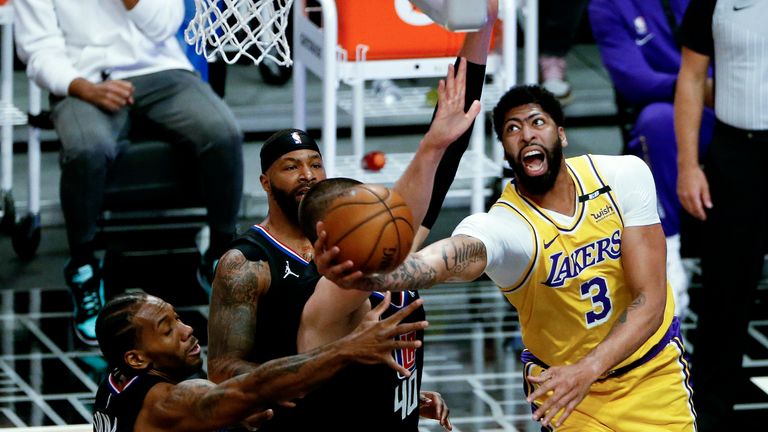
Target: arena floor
{"points": [[48, 378]]}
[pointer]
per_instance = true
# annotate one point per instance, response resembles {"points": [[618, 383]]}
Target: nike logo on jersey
{"points": [[549, 243], [288, 271], [743, 4], [644, 40]]}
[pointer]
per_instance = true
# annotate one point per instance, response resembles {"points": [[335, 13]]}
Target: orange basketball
{"points": [[372, 226]]}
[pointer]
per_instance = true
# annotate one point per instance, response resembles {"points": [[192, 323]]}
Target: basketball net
{"points": [[233, 28]]}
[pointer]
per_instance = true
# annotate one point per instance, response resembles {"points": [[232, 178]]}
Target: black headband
{"points": [[282, 142]]}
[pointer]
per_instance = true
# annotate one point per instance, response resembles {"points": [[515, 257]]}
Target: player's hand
{"points": [[255, 421], [450, 120], [432, 406], [373, 340], [693, 191], [325, 259], [568, 384]]}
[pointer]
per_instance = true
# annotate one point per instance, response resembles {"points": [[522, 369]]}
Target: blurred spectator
{"points": [[558, 23], [113, 67]]}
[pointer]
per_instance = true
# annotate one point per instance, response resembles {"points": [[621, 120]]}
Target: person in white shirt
{"points": [[114, 68]]}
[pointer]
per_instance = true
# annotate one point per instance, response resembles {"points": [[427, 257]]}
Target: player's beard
{"points": [[541, 184], [287, 202]]}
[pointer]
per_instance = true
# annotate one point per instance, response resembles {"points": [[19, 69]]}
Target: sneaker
{"points": [[206, 271], [553, 77], [677, 276], [87, 287]]}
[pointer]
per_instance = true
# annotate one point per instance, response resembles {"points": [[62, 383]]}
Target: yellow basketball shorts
{"points": [[654, 396]]}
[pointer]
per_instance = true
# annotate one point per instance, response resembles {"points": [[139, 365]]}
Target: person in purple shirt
{"points": [[639, 47]]}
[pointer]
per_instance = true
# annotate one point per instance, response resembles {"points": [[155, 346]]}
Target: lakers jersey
{"points": [[573, 289]]}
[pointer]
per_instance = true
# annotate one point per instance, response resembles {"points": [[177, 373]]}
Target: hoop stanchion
{"points": [[230, 29]]}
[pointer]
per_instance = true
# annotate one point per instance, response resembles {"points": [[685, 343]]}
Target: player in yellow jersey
{"points": [[577, 247]]}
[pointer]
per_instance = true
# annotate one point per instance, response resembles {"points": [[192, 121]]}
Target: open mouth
{"points": [[195, 350], [534, 161]]}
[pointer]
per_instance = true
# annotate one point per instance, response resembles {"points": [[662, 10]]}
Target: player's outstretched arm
{"points": [[455, 259], [450, 122], [200, 405], [475, 50]]}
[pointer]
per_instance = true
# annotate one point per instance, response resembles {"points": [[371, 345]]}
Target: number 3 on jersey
{"points": [[596, 289]]}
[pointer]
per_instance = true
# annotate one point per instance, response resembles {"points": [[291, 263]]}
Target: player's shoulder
{"points": [[502, 213], [619, 165], [236, 270], [235, 260]]}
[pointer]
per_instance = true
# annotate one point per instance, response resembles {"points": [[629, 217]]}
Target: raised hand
{"points": [[373, 340], [450, 120]]}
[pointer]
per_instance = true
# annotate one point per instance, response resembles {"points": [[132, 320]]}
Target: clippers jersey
{"points": [[279, 312], [374, 398], [573, 289], [117, 407]]}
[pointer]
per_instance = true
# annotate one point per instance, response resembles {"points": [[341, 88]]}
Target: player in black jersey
{"points": [[153, 353], [258, 291], [375, 399]]}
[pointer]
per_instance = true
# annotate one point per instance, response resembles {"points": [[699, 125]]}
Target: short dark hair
{"points": [[523, 95], [315, 202], [116, 329]]}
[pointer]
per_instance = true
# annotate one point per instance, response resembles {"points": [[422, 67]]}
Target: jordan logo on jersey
{"points": [[565, 267], [288, 271]]}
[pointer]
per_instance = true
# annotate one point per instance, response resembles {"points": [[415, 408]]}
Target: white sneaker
{"points": [[553, 77], [677, 276]]}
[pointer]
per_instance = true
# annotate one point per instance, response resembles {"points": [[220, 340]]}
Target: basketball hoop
{"points": [[455, 15], [233, 28]]}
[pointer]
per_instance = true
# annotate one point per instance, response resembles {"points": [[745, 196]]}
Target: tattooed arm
{"points": [[200, 405], [645, 276], [459, 258], [237, 287]]}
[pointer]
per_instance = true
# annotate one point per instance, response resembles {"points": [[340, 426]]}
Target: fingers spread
{"points": [[381, 307]]}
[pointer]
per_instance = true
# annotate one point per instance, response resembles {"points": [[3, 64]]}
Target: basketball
{"points": [[372, 226]]}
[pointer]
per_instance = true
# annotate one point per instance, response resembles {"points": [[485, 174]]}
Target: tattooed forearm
{"points": [[458, 256], [414, 273]]}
